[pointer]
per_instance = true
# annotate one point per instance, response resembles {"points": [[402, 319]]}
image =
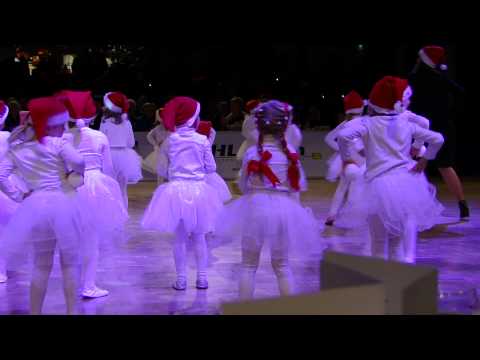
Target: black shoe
{"points": [[329, 222], [464, 210]]}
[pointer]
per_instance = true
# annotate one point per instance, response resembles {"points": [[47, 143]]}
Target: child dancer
{"points": [[118, 129], [213, 179], [248, 129], [105, 212], [398, 201], [155, 137], [186, 205], [48, 216], [268, 214], [7, 205], [350, 174]]}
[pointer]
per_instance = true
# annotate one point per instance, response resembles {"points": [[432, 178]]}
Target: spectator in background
{"points": [[313, 117], [13, 118], [235, 119], [147, 117], [219, 121], [132, 112], [15, 74]]}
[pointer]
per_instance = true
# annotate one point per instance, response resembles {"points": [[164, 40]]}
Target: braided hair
{"points": [[273, 118]]}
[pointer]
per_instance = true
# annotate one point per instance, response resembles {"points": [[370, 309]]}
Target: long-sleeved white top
{"points": [[94, 147], [279, 165], [43, 166], [387, 141], [331, 137], [119, 135], [157, 135], [186, 155], [420, 121], [4, 135]]}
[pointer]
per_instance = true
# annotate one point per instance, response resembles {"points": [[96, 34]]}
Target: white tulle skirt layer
{"points": [[43, 222], [127, 164], [195, 203], [217, 182], [103, 210], [395, 197], [7, 209], [150, 162], [273, 219]]}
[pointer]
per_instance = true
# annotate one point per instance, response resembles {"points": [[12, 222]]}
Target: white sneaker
{"points": [[180, 284], [202, 284], [3, 278], [94, 293]]}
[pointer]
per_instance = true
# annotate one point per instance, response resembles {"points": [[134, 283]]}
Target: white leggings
{"points": [[280, 265], [42, 267], [339, 197], [123, 182], [180, 253], [384, 245], [90, 263]]}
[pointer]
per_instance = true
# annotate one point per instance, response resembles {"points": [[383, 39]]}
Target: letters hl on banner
{"points": [[314, 153]]}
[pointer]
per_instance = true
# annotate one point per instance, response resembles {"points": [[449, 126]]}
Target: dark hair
{"points": [[107, 113], [273, 118]]}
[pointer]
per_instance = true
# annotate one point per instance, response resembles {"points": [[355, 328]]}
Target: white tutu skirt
{"points": [[351, 214], [193, 203], [103, 207], [270, 218], [43, 222], [217, 182], [395, 197], [7, 209], [334, 167], [127, 164], [150, 162]]}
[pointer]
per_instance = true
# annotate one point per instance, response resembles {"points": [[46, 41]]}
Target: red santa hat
{"points": [[433, 56], [80, 106], [117, 103], [388, 94], [3, 112], [180, 111], [251, 104], [204, 128], [47, 111], [353, 103]]}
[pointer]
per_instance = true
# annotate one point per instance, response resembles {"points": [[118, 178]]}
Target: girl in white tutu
{"points": [[104, 212], [186, 205], [397, 199], [268, 214], [155, 137], [213, 179], [351, 175], [48, 217], [7, 205], [127, 164]]}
